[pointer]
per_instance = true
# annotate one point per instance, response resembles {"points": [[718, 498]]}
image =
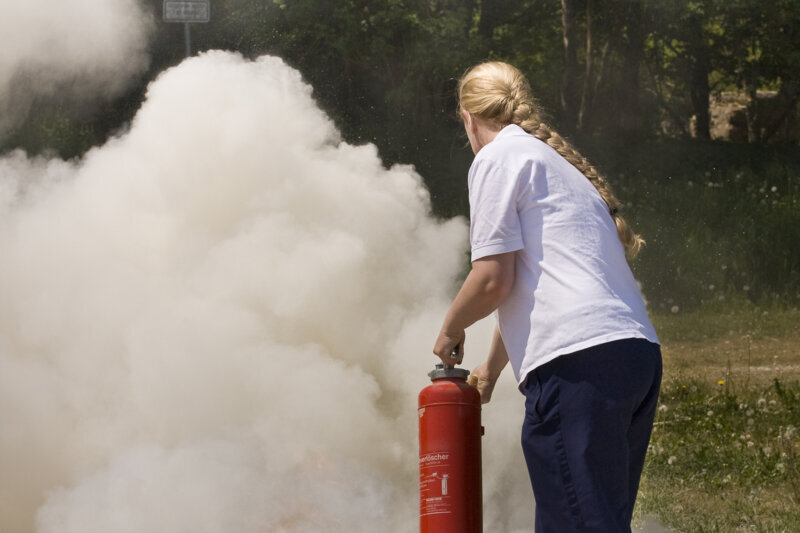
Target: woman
{"points": [[549, 255]]}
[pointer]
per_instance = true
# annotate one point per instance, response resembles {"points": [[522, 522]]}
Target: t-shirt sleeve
{"points": [[494, 220]]}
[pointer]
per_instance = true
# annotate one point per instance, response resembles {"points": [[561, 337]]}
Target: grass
{"points": [[725, 451], [736, 317]]}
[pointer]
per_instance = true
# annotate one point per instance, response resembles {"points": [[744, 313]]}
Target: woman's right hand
{"points": [[483, 381], [450, 347]]}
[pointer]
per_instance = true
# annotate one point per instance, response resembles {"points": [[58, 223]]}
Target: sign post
{"points": [[187, 12]]}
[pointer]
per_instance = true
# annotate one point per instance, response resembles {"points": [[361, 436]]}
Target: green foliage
{"points": [[528, 35], [721, 220], [52, 129]]}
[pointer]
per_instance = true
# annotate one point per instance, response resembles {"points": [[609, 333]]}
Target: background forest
{"points": [[690, 107]]}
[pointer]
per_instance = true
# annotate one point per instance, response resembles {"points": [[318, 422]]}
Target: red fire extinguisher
{"points": [[450, 495]]}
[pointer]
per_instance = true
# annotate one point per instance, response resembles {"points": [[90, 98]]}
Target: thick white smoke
{"points": [[80, 49], [220, 321]]}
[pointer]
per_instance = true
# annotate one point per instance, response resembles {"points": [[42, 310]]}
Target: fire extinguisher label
{"points": [[434, 479]]}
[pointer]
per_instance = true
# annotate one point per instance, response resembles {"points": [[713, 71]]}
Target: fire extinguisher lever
{"points": [[455, 356]]}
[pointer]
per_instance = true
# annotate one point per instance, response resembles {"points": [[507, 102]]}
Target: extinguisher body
{"points": [[451, 499]]}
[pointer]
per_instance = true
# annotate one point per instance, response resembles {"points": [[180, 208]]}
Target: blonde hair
{"points": [[499, 94]]}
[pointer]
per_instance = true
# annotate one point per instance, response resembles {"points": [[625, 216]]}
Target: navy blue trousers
{"points": [[588, 418]]}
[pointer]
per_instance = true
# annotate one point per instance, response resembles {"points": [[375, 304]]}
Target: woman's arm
{"points": [[487, 285]]}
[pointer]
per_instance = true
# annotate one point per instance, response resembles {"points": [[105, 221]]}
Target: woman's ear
{"points": [[471, 127], [467, 118]]}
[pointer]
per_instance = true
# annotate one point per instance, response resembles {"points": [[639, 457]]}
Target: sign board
{"points": [[191, 11]]}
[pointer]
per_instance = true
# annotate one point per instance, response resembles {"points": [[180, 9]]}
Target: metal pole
{"points": [[188, 35]]}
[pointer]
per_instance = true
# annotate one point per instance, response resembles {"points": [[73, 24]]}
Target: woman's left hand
{"points": [[481, 379], [450, 347]]}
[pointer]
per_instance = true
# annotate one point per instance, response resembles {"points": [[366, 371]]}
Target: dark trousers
{"points": [[588, 418]]}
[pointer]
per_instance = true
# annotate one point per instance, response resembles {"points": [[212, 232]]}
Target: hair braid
{"points": [[499, 94]]}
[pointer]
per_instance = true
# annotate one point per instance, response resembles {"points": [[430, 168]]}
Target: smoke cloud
{"points": [[220, 321], [78, 49]]}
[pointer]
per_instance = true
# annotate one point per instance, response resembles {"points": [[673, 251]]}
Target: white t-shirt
{"points": [[573, 287]]}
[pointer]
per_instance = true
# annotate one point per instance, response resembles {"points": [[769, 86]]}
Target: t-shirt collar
{"points": [[508, 131]]}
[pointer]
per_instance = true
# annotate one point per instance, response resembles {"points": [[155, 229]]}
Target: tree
{"points": [[760, 51], [569, 80], [681, 57]]}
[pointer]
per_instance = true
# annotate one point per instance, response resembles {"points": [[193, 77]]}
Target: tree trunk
{"points": [[788, 98], [630, 119], [700, 91], [751, 112], [751, 80], [569, 80], [586, 95]]}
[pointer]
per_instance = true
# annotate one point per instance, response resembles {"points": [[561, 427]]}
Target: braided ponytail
{"points": [[499, 94]]}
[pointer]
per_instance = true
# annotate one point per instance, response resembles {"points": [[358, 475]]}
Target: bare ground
{"points": [[739, 360]]}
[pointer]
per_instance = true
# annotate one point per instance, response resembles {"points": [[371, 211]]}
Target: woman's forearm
{"points": [[498, 356], [487, 285]]}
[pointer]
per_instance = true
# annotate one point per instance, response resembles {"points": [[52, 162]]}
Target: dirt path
{"points": [[740, 360]]}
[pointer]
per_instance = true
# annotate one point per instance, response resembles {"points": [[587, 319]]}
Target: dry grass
{"points": [[739, 360]]}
